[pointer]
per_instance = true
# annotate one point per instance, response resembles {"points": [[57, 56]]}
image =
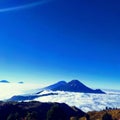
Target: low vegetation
{"points": [[108, 114]]}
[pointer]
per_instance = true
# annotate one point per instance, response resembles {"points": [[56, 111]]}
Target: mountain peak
{"points": [[72, 86], [61, 82], [75, 82], [56, 85]]}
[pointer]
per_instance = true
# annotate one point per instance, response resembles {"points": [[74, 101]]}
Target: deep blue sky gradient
{"points": [[61, 40]]}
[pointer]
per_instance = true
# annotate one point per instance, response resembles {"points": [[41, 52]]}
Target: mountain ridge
{"points": [[35, 110], [72, 86]]}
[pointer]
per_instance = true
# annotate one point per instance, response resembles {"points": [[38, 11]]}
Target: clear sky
{"points": [[60, 40]]}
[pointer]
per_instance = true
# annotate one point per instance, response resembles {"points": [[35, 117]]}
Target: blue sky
{"points": [[61, 40]]}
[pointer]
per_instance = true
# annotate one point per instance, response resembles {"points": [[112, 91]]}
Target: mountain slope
{"points": [[56, 85], [72, 86], [37, 111]]}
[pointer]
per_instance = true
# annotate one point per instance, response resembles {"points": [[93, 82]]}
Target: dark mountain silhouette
{"points": [[72, 86], [38, 111], [52, 111], [4, 81]]}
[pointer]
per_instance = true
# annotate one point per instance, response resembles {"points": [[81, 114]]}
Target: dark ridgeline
{"points": [[52, 111], [28, 97], [72, 86], [38, 111]]}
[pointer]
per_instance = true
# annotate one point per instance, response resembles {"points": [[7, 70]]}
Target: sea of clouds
{"points": [[84, 101]]}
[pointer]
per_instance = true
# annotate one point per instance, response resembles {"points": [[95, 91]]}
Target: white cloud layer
{"points": [[8, 90], [85, 101]]}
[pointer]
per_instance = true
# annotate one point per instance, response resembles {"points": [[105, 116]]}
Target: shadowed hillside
{"points": [[37, 111], [51, 111]]}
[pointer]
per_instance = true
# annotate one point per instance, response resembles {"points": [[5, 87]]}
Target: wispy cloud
{"points": [[29, 5]]}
